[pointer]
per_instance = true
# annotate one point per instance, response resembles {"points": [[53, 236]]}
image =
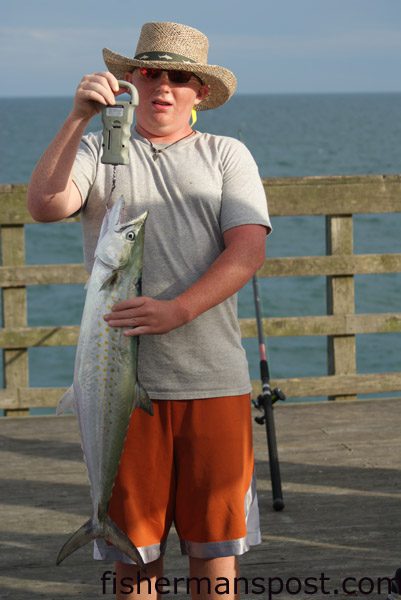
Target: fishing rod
{"points": [[265, 403]]}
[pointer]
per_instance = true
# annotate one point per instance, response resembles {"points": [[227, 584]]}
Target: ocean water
{"points": [[289, 135]]}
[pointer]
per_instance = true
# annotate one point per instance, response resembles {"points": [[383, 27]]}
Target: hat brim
{"points": [[221, 81]]}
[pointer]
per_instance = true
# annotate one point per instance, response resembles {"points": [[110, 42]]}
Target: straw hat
{"points": [[178, 47]]}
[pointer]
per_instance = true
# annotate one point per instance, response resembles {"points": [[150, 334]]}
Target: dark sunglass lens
{"points": [[179, 76], [174, 76]]}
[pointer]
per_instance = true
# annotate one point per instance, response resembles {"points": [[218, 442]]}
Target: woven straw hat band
{"points": [[189, 43]]}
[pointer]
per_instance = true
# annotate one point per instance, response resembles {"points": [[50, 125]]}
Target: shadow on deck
{"points": [[340, 466]]}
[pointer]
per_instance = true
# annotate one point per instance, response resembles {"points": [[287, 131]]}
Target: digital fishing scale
{"points": [[117, 121]]}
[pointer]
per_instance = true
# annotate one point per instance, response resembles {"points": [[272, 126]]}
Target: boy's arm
{"points": [[52, 195], [244, 253]]}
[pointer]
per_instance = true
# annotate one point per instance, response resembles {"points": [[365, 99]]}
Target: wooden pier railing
{"points": [[336, 198]]}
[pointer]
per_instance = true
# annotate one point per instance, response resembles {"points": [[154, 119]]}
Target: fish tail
{"points": [[89, 531], [106, 529], [121, 541]]}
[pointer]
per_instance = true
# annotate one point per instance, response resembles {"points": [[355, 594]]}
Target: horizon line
{"points": [[278, 93]]}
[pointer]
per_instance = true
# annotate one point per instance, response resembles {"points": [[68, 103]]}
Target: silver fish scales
{"points": [[105, 390]]}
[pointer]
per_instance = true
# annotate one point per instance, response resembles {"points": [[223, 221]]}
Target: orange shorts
{"points": [[190, 464]]}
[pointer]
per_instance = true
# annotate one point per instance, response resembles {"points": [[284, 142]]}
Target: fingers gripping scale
{"points": [[117, 121]]}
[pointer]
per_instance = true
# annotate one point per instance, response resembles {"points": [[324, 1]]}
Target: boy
{"points": [[192, 462]]}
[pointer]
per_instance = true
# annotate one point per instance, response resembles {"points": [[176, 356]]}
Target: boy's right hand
{"points": [[94, 91]]}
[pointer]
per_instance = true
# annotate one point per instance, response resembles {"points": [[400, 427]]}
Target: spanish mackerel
{"points": [[105, 389]]}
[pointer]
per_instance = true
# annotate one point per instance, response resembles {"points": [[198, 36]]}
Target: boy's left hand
{"points": [[143, 315]]}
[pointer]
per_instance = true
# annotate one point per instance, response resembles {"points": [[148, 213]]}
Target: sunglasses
{"points": [[173, 76]]}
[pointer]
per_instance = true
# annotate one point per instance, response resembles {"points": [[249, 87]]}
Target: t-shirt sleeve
{"points": [[86, 163], [243, 196]]}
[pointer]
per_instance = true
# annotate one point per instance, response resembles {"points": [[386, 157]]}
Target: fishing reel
{"points": [[268, 396]]}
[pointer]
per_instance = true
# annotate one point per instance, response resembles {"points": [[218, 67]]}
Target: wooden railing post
{"points": [[341, 349], [15, 361]]}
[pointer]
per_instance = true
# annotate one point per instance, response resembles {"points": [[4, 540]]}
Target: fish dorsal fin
{"points": [[113, 216], [111, 279], [118, 212]]}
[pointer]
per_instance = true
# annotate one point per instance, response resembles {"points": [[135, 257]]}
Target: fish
{"points": [[105, 389]]}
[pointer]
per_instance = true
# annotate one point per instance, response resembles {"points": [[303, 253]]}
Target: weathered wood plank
{"points": [[347, 264], [27, 337], [273, 267], [13, 206], [291, 196], [339, 470], [341, 350], [67, 335], [325, 325], [344, 385], [24, 398], [43, 275], [343, 195], [15, 362]]}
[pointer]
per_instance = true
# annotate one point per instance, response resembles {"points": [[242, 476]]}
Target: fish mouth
{"points": [[137, 221]]}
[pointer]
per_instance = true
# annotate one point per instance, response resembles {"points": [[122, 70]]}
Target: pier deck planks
{"points": [[341, 473]]}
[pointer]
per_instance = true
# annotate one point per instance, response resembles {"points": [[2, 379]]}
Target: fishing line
{"points": [[113, 186]]}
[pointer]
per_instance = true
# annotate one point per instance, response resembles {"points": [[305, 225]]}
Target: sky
{"points": [[280, 46]]}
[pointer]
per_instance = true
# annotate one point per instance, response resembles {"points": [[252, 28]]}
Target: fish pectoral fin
{"points": [[143, 398], [110, 280], [67, 402]]}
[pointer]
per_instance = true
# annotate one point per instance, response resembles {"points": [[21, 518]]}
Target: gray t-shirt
{"points": [[196, 190]]}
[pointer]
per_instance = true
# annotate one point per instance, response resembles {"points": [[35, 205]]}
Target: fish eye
{"points": [[130, 236]]}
